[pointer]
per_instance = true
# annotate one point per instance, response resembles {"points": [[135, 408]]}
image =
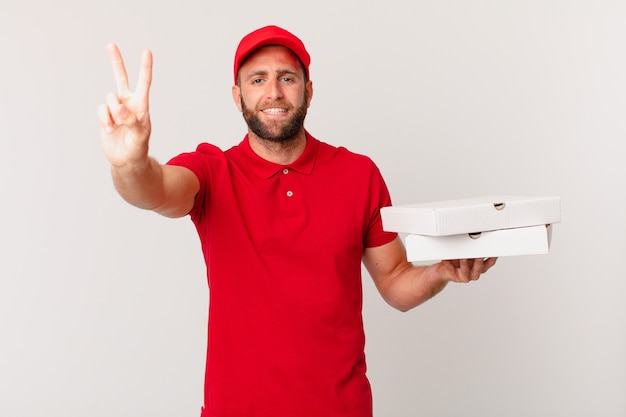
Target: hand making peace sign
{"points": [[124, 118]]}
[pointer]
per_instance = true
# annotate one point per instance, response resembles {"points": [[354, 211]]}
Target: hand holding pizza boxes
{"points": [[482, 227]]}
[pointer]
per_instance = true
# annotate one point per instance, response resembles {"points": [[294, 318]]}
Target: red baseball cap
{"points": [[271, 35]]}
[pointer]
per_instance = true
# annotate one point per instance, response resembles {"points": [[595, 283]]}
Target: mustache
{"points": [[279, 103]]}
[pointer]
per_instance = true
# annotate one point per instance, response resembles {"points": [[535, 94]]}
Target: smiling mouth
{"points": [[274, 110]]}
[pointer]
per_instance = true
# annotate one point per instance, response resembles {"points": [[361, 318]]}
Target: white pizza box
{"points": [[480, 214], [532, 240]]}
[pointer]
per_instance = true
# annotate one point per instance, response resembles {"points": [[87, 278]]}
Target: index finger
{"points": [[119, 70]]}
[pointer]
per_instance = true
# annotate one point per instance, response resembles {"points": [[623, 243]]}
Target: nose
{"points": [[274, 90]]}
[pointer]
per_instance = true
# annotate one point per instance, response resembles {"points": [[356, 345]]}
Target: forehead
{"points": [[272, 56]]}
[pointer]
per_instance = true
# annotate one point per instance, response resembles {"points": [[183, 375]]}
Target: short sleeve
{"points": [[379, 198], [207, 163]]}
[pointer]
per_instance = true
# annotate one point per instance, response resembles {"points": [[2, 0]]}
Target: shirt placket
{"points": [[290, 191]]}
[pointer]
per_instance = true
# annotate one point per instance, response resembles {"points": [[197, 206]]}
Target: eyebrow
{"points": [[287, 71], [280, 72]]}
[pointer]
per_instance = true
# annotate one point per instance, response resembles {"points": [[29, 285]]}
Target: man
{"points": [[285, 221]]}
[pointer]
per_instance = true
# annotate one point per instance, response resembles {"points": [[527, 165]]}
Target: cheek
{"points": [[244, 105], [250, 99]]}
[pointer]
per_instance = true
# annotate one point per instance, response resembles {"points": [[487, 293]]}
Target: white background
{"points": [[103, 306]]}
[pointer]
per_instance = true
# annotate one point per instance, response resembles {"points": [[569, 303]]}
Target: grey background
{"points": [[103, 306]]}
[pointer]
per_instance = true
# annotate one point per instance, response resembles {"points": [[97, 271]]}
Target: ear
{"points": [[309, 90], [236, 91]]}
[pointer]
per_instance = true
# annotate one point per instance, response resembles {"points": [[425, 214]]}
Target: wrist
{"points": [[132, 167], [437, 273]]}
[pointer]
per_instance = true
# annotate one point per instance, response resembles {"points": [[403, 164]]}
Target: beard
{"points": [[277, 132]]}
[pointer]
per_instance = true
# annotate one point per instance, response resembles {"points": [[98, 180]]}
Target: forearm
{"points": [[402, 284], [140, 184], [412, 285], [405, 286]]}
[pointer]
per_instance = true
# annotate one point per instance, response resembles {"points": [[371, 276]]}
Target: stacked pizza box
{"points": [[482, 227]]}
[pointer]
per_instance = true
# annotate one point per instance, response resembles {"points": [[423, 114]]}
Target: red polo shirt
{"points": [[283, 247]]}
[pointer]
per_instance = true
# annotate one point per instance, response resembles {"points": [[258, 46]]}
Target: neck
{"points": [[278, 152]]}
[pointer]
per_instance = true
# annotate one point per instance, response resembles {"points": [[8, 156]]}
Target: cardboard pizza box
{"points": [[532, 240], [481, 214]]}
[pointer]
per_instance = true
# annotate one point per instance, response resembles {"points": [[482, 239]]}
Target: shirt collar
{"points": [[266, 169]]}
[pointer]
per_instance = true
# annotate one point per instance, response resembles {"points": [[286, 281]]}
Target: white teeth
{"points": [[274, 111]]}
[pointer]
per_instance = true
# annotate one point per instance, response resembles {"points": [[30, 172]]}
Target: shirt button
{"points": [[289, 193], [285, 171]]}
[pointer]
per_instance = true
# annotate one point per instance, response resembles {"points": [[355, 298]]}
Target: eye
{"points": [[257, 81]]}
